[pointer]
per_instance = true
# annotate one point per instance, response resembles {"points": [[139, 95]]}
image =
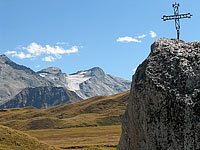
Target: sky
{"points": [[75, 35]]}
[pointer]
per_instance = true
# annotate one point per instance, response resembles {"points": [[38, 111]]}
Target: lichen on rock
{"points": [[163, 111]]}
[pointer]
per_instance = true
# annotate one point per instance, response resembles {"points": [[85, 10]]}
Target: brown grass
{"points": [[15, 140], [104, 137], [92, 124], [96, 111]]}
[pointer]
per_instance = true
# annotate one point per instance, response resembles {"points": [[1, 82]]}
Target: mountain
{"points": [[86, 83], [42, 97], [95, 111], [164, 107], [20, 86], [11, 139], [14, 78]]}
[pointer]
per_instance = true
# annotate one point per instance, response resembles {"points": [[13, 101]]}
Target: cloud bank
{"points": [[128, 39], [142, 36], [136, 39], [152, 34], [33, 50]]}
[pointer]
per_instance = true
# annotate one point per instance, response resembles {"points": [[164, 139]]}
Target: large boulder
{"points": [[163, 111]]}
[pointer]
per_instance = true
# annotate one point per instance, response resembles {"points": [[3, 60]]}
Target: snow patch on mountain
{"points": [[86, 83], [43, 74], [73, 81]]}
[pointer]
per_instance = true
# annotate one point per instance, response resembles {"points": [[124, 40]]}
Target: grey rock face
{"points": [[42, 97], [51, 70], [87, 83], [14, 78], [163, 111]]}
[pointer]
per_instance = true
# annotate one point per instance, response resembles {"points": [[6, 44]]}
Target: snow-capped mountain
{"points": [[86, 83]]}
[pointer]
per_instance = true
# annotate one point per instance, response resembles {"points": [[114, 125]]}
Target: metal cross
{"points": [[176, 17]]}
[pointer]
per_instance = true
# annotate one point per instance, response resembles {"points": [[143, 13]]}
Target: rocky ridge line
{"points": [[42, 97]]}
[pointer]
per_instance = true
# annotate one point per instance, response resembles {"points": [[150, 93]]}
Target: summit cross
{"points": [[176, 17]]}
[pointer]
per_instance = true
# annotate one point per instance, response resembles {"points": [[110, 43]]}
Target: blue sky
{"points": [[80, 34]]}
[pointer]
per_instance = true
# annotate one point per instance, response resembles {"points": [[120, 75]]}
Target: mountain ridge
{"points": [[41, 97], [14, 78], [4, 59], [87, 83]]}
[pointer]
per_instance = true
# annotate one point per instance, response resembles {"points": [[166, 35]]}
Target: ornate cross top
{"points": [[176, 17]]}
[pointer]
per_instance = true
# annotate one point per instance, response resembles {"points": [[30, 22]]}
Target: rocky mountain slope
{"points": [[42, 97], [164, 107], [14, 78], [21, 86], [95, 111], [87, 83]]}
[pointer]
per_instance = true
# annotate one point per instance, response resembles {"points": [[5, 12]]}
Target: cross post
{"points": [[177, 18]]}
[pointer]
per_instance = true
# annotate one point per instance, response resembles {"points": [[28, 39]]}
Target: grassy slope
{"points": [[96, 111], [91, 124], [83, 137], [11, 139]]}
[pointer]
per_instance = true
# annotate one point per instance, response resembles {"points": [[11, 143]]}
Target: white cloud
{"points": [[37, 49], [152, 34], [142, 36], [10, 52], [128, 39], [48, 59], [34, 50], [20, 55], [62, 43]]}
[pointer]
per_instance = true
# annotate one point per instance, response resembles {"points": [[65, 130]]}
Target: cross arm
{"points": [[173, 17]]}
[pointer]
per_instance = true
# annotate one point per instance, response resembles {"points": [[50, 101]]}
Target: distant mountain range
{"points": [[42, 97], [86, 83], [20, 86]]}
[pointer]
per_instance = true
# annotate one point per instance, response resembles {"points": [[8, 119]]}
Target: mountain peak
{"points": [[96, 71], [51, 70], [4, 59]]}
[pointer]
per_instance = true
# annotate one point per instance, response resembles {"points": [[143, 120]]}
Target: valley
{"points": [[91, 124], [83, 138], [50, 109]]}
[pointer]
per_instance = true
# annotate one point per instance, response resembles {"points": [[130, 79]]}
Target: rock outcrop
{"points": [[163, 111], [42, 97]]}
